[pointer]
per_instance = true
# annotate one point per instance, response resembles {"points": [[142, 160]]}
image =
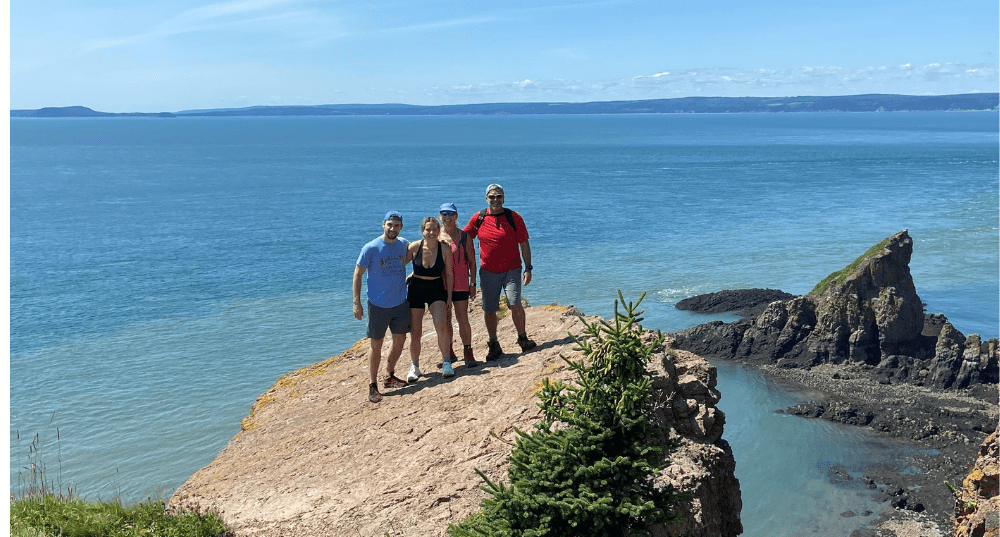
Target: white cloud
{"points": [[931, 79]]}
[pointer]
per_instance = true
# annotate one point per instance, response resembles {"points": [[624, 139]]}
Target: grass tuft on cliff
{"points": [[43, 509], [589, 467], [840, 276], [51, 516]]}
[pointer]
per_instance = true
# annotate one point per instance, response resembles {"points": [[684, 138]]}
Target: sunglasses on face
{"points": [[500, 197], [449, 213]]}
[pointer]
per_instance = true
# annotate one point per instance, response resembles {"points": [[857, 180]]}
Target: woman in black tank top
{"points": [[430, 286]]}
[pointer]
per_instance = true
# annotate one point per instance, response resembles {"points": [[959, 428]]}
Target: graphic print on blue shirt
{"points": [[387, 285]]}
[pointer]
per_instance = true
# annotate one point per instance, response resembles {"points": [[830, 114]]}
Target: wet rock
{"points": [[746, 302]]}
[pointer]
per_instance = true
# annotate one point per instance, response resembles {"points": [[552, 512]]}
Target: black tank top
{"points": [[418, 264]]}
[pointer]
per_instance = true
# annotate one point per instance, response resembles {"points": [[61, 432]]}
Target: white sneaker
{"points": [[447, 371], [414, 373]]}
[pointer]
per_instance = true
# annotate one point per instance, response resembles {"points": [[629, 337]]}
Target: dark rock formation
{"points": [[869, 313], [746, 302]]}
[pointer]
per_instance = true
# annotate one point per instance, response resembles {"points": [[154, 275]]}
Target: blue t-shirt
{"points": [[383, 262]]}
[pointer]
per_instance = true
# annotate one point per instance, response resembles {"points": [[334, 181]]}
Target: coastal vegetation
{"points": [[841, 275], [44, 509], [61, 516], [589, 467]]}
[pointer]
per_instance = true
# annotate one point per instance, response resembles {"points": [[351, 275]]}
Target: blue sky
{"points": [[170, 55]]}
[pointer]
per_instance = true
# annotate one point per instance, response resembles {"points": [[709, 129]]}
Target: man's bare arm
{"points": [[359, 310]]}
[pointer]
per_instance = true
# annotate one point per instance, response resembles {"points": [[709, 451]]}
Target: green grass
{"points": [[838, 277], [56, 517], [43, 509]]}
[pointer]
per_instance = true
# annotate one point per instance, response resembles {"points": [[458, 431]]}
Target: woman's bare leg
{"points": [[440, 315], [416, 330]]}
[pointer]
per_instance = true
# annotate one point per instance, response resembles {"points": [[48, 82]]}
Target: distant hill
{"points": [[80, 111], [696, 105]]}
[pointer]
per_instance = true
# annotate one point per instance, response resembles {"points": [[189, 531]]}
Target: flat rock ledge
{"points": [[314, 457]]}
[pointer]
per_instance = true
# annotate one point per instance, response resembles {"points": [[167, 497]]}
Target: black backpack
{"points": [[506, 212]]}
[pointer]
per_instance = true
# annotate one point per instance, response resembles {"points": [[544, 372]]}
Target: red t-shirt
{"points": [[499, 249]]}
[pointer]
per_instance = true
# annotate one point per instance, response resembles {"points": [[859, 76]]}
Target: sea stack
{"points": [[868, 313]]}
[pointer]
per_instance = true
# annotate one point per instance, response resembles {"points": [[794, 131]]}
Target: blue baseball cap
{"points": [[393, 215], [449, 207]]}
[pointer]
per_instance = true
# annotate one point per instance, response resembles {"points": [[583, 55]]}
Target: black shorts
{"points": [[459, 296], [421, 293], [396, 319]]}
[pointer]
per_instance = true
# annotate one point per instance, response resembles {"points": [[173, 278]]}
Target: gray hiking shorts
{"points": [[396, 319], [491, 284]]}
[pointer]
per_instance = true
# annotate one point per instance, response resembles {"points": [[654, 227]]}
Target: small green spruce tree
{"points": [[588, 468]]}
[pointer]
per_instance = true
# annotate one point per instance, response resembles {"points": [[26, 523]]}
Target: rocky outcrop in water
{"points": [[869, 314], [746, 302]]}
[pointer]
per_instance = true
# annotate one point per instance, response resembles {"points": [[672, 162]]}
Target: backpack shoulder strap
{"points": [[510, 218], [506, 212]]}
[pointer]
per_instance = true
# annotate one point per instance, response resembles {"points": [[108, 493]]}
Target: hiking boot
{"points": [[414, 373], [525, 343], [494, 351], [392, 382], [447, 370], [373, 394], [470, 361]]}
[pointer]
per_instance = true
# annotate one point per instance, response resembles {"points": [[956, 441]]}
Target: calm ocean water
{"points": [[164, 272]]}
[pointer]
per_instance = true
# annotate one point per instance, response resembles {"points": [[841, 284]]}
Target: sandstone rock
{"points": [[315, 458], [977, 508]]}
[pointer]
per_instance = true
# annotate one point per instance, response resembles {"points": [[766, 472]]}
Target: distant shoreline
{"points": [[968, 102]]}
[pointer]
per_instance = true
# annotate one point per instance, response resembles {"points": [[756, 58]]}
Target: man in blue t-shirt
{"points": [[384, 259]]}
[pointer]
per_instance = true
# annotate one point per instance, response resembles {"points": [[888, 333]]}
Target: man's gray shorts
{"points": [[492, 283], [396, 319]]}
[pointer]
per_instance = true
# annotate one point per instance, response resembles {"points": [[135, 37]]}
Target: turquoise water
{"points": [[164, 272]]}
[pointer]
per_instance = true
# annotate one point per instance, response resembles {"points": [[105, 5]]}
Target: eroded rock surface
{"points": [[869, 315], [316, 458], [977, 509]]}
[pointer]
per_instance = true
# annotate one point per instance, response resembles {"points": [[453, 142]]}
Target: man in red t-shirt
{"points": [[503, 242]]}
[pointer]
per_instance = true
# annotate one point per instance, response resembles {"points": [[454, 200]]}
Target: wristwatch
{"points": [[527, 268]]}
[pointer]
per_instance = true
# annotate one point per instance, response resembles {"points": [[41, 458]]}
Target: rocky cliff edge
{"points": [[314, 457]]}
